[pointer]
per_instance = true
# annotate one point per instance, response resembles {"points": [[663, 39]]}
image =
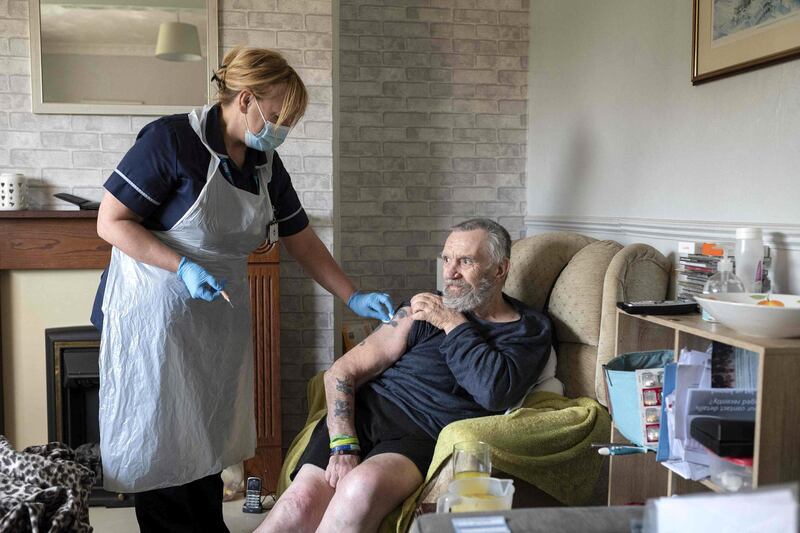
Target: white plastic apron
{"points": [[176, 385]]}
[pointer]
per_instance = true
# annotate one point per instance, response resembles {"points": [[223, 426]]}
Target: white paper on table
{"points": [[761, 511]]}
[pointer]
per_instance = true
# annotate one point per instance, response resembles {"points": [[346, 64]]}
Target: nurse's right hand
{"points": [[200, 283]]}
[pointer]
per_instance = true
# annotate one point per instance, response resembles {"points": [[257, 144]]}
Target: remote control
{"points": [[664, 307], [83, 203]]}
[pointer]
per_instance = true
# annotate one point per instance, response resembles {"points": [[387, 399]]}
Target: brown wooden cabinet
{"points": [[635, 478], [68, 240]]}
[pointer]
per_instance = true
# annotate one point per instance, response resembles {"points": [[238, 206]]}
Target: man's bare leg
{"points": [[302, 506], [370, 492]]}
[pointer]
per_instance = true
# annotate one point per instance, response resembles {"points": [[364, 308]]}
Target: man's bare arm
{"points": [[366, 361]]}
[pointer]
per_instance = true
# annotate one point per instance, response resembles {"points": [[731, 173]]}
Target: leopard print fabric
{"points": [[43, 489]]}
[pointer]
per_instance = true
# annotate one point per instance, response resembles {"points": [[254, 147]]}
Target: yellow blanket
{"points": [[545, 442]]}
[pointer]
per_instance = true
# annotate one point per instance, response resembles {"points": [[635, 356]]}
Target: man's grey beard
{"points": [[473, 298]]}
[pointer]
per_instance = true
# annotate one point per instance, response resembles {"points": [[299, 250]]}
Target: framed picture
{"points": [[730, 36]]}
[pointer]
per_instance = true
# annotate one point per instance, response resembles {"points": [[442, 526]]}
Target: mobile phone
{"points": [[252, 496]]}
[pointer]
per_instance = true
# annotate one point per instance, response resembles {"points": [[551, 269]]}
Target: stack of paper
{"points": [[717, 384]]}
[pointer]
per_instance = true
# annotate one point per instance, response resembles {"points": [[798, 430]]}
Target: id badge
{"points": [[272, 232]]}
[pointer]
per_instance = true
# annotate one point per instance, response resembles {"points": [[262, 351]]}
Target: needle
{"points": [[226, 297]]}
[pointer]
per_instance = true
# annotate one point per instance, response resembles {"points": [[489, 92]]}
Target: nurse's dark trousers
{"points": [[192, 508]]}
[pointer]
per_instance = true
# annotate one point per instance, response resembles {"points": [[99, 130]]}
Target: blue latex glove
{"points": [[372, 305], [200, 283]]}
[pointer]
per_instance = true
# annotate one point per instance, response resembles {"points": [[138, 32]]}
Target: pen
{"points": [[621, 450], [226, 297]]}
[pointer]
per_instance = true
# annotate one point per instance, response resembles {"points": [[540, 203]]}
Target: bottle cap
{"points": [[748, 233], [725, 264]]}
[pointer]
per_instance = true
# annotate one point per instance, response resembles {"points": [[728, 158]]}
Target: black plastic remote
{"points": [[664, 307], [83, 203]]}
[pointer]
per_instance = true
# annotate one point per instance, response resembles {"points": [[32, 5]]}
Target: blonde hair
{"points": [[258, 70]]}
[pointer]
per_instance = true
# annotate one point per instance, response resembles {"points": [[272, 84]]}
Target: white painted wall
{"points": [[617, 131]]}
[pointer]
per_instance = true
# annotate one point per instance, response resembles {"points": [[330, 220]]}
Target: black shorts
{"points": [[381, 427]]}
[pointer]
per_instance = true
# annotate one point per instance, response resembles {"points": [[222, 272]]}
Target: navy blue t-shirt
{"points": [[163, 173], [478, 369]]}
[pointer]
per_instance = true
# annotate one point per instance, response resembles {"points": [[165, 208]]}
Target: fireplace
{"points": [[73, 382], [47, 240]]}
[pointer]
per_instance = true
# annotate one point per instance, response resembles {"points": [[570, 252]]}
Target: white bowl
{"points": [[740, 311]]}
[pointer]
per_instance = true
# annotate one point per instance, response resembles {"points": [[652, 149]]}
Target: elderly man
{"points": [[473, 351]]}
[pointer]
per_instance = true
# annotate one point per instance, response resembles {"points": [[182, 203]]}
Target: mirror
{"points": [[124, 57]]}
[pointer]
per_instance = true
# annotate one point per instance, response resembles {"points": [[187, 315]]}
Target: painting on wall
{"points": [[730, 36]]}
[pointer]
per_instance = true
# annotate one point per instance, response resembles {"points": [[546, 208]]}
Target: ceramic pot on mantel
{"points": [[13, 192]]}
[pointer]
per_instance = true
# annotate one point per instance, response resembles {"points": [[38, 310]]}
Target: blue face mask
{"points": [[269, 138]]}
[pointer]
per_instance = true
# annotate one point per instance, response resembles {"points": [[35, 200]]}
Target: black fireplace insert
{"points": [[73, 381]]}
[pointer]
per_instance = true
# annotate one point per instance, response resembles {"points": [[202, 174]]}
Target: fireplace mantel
{"points": [[51, 240]]}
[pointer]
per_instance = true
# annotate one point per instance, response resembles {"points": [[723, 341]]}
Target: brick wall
{"points": [[432, 131], [75, 153], [433, 120]]}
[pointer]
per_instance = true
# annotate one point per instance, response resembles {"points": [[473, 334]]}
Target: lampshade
{"points": [[178, 41]]}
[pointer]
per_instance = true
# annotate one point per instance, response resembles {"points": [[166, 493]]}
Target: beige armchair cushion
{"points": [[576, 369], [577, 296], [537, 263], [578, 281]]}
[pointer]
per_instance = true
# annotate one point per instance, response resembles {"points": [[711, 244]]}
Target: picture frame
{"points": [[733, 36], [80, 66]]}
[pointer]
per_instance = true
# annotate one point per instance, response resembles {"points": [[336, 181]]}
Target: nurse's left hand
{"points": [[372, 305], [197, 279]]}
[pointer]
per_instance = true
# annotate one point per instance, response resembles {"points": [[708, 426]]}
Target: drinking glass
{"points": [[471, 459]]}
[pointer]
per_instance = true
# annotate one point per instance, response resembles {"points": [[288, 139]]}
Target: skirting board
{"points": [[664, 235]]}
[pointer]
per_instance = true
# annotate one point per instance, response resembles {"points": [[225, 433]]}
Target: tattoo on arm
{"points": [[344, 385], [402, 313], [342, 409]]}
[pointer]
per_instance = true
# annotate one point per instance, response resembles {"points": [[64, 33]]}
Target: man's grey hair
{"points": [[499, 241]]}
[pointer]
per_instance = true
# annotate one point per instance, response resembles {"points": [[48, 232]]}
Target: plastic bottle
{"points": [[749, 256], [722, 282]]}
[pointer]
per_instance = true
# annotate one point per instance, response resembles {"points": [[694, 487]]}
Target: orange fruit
{"points": [[771, 303]]}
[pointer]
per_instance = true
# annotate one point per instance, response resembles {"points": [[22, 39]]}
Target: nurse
{"points": [[194, 196]]}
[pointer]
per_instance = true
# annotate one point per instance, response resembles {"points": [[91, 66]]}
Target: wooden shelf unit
{"points": [[635, 478]]}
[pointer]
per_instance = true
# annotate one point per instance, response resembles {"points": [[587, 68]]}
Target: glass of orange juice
{"points": [[471, 459]]}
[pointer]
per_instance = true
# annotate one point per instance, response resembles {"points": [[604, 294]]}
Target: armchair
{"points": [[577, 281]]}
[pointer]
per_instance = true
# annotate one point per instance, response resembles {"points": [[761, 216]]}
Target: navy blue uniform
{"points": [[163, 173]]}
